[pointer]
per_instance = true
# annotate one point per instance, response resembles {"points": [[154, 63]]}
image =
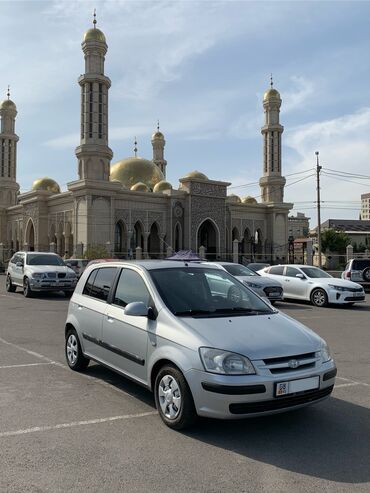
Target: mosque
{"points": [[129, 208]]}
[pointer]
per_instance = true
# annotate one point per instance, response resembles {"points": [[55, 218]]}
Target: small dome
{"points": [[134, 170], [46, 184], [249, 200], [162, 186], [271, 94], [7, 104], [196, 174], [94, 34], [158, 136], [234, 198], [140, 187]]}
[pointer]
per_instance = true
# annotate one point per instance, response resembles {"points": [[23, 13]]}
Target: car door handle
{"points": [[79, 307], [110, 319]]}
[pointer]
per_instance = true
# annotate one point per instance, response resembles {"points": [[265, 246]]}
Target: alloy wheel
{"points": [[319, 297], [72, 349]]}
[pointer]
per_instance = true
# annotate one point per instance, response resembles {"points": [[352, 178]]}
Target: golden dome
{"points": [[94, 34], [140, 187], [249, 200], [46, 184], [196, 174], [162, 186], [271, 94], [134, 170], [234, 198], [7, 104], [158, 136]]}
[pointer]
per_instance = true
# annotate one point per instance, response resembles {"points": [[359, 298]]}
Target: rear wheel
{"points": [[366, 274], [173, 398], [74, 356], [27, 291], [319, 297], [9, 285]]}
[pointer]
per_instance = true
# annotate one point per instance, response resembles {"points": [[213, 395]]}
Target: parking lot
{"points": [[97, 432]]}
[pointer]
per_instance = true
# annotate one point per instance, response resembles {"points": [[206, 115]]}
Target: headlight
{"points": [[325, 352], [71, 275], [37, 275], [337, 288], [251, 285], [225, 363]]}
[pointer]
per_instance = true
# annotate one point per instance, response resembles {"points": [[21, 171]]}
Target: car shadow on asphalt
{"points": [[120, 382], [328, 441], [54, 296]]}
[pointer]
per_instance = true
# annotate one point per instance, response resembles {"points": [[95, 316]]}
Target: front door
{"points": [[294, 287], [125, 338]]}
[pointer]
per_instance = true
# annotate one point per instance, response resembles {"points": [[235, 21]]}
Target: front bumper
{"points": [[340, 297], [52, 285], [241, 396]]}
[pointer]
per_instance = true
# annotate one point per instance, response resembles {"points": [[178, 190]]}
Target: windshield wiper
{"points": [[241, 310], [190, 313]]}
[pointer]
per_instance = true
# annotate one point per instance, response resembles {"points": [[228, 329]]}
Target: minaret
{"points": [[272, 183], [93, 153], [8, 153], [158, 144]]}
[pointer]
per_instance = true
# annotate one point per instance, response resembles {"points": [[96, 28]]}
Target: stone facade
{"points": [[129, 209]]}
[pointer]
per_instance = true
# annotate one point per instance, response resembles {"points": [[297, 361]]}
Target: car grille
{"points": [[280, 402], [286, 364], [273, 291], [354, 298], [354, 290], [61, 275], [52, 275]]}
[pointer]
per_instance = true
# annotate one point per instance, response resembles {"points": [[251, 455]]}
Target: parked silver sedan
{"points": [[205, 344], [263, 286], [305, 282]]}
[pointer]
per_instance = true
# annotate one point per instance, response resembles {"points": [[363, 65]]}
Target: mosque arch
{"points": [[137, 238], [120, 239], [246, 243], [235, 234], [208, 236], [30, 235], [178, 237], [154, 242]]}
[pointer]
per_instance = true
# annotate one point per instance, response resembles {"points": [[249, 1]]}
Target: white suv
{"points": [[39, 271]]}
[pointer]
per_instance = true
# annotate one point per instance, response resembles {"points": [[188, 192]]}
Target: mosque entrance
{"points": [[208, 238], [30, 236], [154, 248]]}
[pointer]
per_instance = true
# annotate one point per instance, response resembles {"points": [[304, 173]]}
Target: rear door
{"points": [[125, 337]]}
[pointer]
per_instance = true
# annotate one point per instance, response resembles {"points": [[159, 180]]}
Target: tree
{"points": [[334, 241], [95, 252]]}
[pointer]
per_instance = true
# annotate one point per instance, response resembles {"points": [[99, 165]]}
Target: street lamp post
{"points": [[318, 169]]}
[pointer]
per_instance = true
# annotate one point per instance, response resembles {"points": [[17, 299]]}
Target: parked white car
{"points": [[305, 282], [39, 271]]}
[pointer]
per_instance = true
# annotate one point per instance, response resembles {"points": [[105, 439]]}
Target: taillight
{"points": [[347, 275]]}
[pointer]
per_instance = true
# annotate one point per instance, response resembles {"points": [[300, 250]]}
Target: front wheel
{"points": [[9, 285], [27, 289], [173, 398], [319, 297], [74, 356]]}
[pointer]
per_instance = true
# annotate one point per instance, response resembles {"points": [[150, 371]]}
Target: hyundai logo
{"points": [[293, 363]]}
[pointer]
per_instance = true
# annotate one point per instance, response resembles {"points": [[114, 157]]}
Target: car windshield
{"points": [[36, 259], [203, 292], [238, 270], [314, 272]]}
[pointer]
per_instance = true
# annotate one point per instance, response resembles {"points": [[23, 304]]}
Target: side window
{"points": [[90, 282], [14, 260], [130, 288], [277, 270], [291, 272], [102, 283]]}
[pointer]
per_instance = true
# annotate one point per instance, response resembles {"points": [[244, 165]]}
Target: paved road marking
{"points": [[26, 364], [348, 384], [75, 423]]}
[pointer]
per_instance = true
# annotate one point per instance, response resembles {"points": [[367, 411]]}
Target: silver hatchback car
{"points": [[204, 343]]}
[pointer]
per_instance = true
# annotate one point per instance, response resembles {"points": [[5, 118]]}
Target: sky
{"points": [[201, 68]]}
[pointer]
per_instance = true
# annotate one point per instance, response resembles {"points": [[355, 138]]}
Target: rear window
{"points": [[277, 270], [99, 283], [360, 264]]}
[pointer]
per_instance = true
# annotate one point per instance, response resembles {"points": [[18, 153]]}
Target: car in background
{"points": [[78, 265], [305, 282], [267, 288], [358, 270], [39, 272], [256, 266], [204, 343]]}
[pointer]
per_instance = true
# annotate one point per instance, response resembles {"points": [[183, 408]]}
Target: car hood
{"points": [[256, 336], [325, 281], [261, 281], [49, 268]]}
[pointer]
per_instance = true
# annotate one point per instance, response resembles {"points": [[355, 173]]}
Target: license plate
{"points": [[358, 294], [61, 284], [292, 386]]}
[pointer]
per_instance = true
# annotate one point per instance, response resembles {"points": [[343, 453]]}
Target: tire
{"points": [[319, 297], [366, 274], [179, 401], [74, 356], [26, 288], [68, 294], [9, 285]]}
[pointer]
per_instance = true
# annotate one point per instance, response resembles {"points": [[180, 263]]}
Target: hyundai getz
{"points": [[203, 342]]}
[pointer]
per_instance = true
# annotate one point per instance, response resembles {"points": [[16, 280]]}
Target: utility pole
{"points": [[318, 169]]}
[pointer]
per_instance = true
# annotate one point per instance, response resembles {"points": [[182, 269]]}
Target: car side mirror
{"points": [[136, 309], [300, 276]]}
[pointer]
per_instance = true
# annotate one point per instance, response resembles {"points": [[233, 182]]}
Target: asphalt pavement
{"points": [[62, 431]]}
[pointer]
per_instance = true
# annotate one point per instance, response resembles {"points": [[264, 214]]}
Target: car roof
{"points": [[37, 253], [152, 264]]}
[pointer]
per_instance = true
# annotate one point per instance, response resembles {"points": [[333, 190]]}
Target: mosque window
{"points": [[15, 159], [83, 100], [100, 128], [90, 110], [2, 156], [272, 151]]}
